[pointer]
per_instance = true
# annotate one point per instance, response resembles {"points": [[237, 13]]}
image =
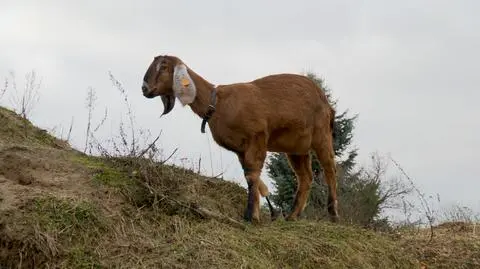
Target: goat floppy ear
{"points": [[183, 85]]}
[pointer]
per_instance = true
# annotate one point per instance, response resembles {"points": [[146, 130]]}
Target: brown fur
{"points": [[278, 113]]}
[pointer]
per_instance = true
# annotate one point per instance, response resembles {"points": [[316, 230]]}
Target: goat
{"points": [[285, 113]]}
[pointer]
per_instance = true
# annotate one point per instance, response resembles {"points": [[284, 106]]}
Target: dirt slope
{"points": [[62, 209]]}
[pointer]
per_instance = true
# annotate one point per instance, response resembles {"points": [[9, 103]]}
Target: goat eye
{"points": [[161, 67]]}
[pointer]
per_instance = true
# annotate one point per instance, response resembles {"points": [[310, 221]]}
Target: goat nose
{"points": [[145, 87]]}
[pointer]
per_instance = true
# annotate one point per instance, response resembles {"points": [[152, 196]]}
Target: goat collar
{"points": [[210, 109]]}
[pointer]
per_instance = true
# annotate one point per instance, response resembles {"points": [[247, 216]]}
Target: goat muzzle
{"points": [[147, 92]]}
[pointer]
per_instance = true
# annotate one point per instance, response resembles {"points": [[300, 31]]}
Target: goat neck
{"points": [[204, 90]]}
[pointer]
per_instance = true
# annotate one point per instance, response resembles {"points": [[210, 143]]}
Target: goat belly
{"points": [[230, 142], [289, 142]]}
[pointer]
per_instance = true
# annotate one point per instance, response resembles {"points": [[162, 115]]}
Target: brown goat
{"points": [[285, 113]]}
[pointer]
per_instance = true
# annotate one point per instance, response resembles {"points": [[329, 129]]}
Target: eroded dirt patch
{"points": [[26, 172], [17, 168]]}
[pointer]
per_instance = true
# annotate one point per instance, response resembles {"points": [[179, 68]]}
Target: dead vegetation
{"points": [[455, 245], [61, 208], [94, 212]]}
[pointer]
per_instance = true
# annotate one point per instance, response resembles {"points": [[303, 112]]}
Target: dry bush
{"points": [[459, 219], [130, 141], [25, 100], [3, 90], [425, 209]]}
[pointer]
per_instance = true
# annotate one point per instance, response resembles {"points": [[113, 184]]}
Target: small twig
{"points": [[164, 161], [131, 117], [102, 121], [150, 146], [70, 130], [210, 152], [205, 213], [219, 175], [4, 89], [199, 164], [90, 105], [426, 208], [103, 151]]}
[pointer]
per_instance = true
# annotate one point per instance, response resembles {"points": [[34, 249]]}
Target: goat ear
{"points": [[183, 85]]}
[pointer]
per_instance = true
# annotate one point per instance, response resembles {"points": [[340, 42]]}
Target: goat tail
{"points": [[332, 122], [263, 188]]}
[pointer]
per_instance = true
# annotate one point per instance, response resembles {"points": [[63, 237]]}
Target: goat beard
{"points": [[168, 103]]}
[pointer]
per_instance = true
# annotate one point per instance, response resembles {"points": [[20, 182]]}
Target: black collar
{"points": [[210, 110]]}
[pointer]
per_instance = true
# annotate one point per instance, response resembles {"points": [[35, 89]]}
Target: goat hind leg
{"points": [[326, 156], [301, 165]]}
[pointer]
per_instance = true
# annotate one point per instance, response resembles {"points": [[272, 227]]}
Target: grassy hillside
{"points": [[60, 208]]}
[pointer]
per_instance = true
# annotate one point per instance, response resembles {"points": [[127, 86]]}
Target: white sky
{"points": [[408, 68]]}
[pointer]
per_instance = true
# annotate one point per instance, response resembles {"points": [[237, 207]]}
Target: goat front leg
{"points": [[263, 189], [252, 161]]}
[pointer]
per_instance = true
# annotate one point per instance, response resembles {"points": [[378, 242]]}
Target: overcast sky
{"points": [[408, 68]]}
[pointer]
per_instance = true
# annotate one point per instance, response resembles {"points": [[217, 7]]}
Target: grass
{"points": [[280, 245], [455, 248], [16, 129], [141, 181], [290, 245], [149, 235], [52, 230], [103, 173], [66, 216], [133, 213]]}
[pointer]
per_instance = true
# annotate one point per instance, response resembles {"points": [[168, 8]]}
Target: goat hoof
{"points": [[291, 217], [251, 220], [334, 218], [274, 216], [249, 217]]}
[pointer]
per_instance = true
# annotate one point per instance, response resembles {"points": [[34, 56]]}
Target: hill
{"points": [[60, 208]]}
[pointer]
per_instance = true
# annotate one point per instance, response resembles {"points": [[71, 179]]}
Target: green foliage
{"points": [[358, 192]]}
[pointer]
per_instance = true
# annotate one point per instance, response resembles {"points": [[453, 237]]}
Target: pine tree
{"points": [[352, 187]]}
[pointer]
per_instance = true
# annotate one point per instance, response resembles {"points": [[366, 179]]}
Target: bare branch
{"points": [[426, 208], [90, 105], [199, 164], [150, 146], [4, 89], [70, 130], [101, 121], [122, 91], [164, 161]]}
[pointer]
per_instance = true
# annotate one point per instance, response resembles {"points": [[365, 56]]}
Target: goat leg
{"points": [[332, 209], [250, 202], [273, 213]]}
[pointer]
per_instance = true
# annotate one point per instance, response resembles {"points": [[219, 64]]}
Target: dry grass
{"points": [[74, 234], [90, 212], [49, 230], [17, 130], [455, 245]]}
